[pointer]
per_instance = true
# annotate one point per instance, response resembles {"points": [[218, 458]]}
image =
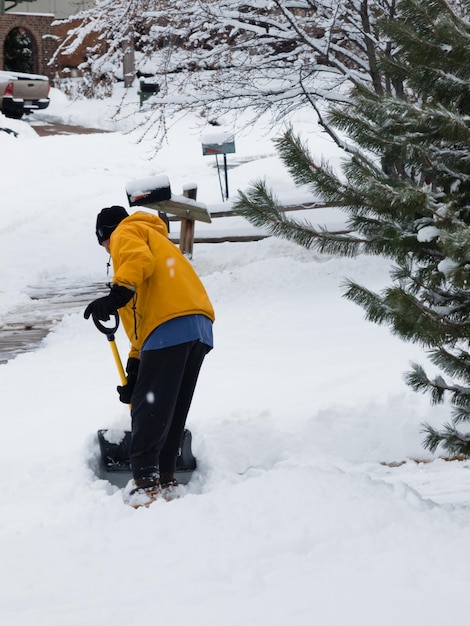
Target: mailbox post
{"points": [[219, 143], [187, 224]]}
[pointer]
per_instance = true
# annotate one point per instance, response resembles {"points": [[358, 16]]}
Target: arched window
{"points": [[19, 51]]}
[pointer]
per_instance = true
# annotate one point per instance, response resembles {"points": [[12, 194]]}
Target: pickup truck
{"points": [[22, 93]]}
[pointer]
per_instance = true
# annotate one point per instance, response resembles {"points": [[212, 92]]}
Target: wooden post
{"points": [[187, 226]]}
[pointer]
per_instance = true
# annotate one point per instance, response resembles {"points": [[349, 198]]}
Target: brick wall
{"points": [[40, 31]]}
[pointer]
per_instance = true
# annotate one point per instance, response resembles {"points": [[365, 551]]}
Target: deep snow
{"points": [[295, 515]]}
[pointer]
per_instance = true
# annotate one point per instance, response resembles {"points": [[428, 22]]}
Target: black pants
{"points": [[160, 405]]}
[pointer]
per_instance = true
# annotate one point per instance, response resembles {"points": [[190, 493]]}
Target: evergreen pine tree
{"points": [[406, 190]]}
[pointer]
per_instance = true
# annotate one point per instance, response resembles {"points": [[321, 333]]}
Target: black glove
{"points": [[103, 307], [125, 391]]}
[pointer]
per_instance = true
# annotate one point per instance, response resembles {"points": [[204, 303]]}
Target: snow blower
{"points": [[115, 444]]}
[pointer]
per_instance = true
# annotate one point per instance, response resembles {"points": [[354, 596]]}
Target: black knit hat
{"points": [[108, 220]]}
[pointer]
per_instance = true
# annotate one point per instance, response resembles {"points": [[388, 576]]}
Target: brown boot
{"points": [[171, 489], [142, 492], [147, 485], [167, 479]]}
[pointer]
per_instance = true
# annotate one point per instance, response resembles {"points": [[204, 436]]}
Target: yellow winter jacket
{"points": [[164, 281]]}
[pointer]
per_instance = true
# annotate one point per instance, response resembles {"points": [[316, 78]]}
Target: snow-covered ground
{"points": [[296, 514]]}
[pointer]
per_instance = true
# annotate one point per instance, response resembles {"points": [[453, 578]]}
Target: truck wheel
{"points": [[14, 115]]}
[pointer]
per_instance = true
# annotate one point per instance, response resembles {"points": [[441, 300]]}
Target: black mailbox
{"points": [[147, 89]]}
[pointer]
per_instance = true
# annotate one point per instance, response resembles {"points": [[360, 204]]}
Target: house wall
{"points": [[59, 8], [37, 18], [40, 30]]}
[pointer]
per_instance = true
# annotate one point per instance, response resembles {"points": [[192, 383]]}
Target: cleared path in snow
{"points": [[23, 328]]}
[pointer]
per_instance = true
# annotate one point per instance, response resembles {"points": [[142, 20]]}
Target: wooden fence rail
{"points": [[242, 238], [289, 207]]}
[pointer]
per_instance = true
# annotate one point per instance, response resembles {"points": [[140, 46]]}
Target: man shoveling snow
{"points": [[167, 316]]}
